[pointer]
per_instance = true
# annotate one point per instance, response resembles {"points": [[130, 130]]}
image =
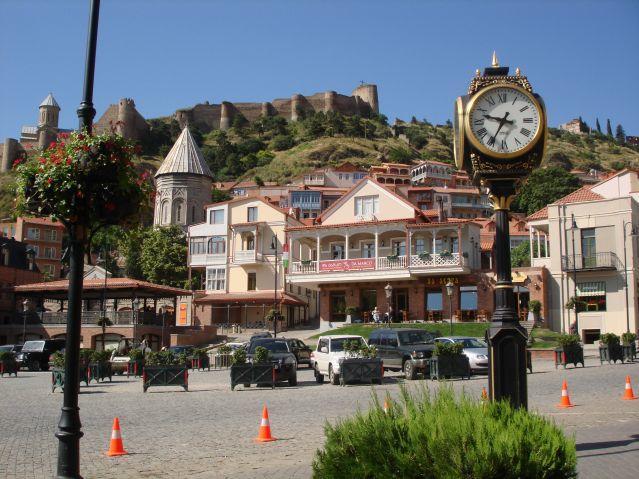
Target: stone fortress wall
{"points": [[126, 120], [204, 116]]}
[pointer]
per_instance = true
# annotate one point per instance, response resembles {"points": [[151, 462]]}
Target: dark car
{"points": [[301, 351], [35, 354], [261, 335], [280, 355], [11, 348], [404, 349]]}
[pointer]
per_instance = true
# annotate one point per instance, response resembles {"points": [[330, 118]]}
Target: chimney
{"points": [[441, 215]]}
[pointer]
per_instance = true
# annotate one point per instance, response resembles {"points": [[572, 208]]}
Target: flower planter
{"points": [[201, 363], [9, 366], [173, 375], [361, 370], [99, 371], [248, 373], [629, 351], [57, 377], [135, 367], [449, 366], [569, 355], [611, 353]]}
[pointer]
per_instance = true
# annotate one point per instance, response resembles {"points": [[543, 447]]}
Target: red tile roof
{"points": [[251, 297], [357, 223], [581, 195], [41, 221]]}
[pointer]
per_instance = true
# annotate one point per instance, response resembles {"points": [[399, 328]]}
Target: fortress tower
{"points": [[183, 185], [367, 94], [48, 121]]}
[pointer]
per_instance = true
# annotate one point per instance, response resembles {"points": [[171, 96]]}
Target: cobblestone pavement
{"points": [[209, 431]]}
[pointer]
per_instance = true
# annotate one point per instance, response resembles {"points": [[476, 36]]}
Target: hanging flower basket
{"points": [[82, 179]]}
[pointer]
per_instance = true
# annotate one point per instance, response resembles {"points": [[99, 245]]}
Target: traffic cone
{"points": [[629, 394], [264, 434], [116, 448], [565, 398], [484, 394]]}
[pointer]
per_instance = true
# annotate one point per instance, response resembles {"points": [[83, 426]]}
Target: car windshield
{"points": [[272, 346], [338, 344], [5, 348], [415, 337], [471, 342], [33, 346]]}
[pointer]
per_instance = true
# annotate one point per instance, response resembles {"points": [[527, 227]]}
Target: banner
{"points": [[347, 264]]}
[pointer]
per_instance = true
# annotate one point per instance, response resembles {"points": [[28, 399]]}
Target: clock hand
{"points": [[501, 123], [510, 122]]}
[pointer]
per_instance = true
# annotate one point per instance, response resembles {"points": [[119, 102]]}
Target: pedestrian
{"points": [[375, 315]]}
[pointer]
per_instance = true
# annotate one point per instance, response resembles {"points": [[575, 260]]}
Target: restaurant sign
{"points": [[347, 264]]}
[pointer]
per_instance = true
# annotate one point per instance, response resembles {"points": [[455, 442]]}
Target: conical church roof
{"points": [[49, 101], [184, 157]]}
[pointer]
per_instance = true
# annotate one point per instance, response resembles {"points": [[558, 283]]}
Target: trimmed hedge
{"points": [[439, 436]]}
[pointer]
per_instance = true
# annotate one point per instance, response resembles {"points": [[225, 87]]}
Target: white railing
{"points": [[303, 267], [245, 256], [206, 259], [433, 260], [391, 262]]}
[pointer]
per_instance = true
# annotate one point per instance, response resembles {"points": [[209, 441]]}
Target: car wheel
{"points": [[409, 371], [332, 377], [319, 378], [33, 366], [292, 381]]}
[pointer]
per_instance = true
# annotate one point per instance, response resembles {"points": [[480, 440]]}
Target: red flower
{"points": [[17, 161], [49, 181], [68, 161], [42, 160], [52, 144]]}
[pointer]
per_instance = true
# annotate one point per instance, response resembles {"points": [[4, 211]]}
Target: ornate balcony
{"points": [[597, 262], [249, 256]]}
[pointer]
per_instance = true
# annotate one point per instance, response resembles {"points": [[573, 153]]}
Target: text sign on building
{"points": [[347, 264]]}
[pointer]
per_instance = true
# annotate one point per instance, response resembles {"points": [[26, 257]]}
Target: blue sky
{"points": [[166, 54]]}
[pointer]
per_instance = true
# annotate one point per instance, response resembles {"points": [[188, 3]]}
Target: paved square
{"points": [[209, 431]]}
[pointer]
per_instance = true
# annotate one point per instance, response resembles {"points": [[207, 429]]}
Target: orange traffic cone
{"points": [[565, 398], [386, 406], [264, 434], [629, 394], [116, 448], [484, 394]]}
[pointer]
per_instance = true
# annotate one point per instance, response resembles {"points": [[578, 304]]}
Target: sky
{"points": [[580, 56]]}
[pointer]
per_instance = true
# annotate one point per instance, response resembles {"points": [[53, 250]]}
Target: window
{"points": [[252, 282], [366, 205], [215, 279], [420, 245], [193, 214], [178, 212], [399, 247], [368, 250], [249, 243], [165, 212], [5, 232], [50, 235], [198, 245], [592, 296], [589, 247], [33, 233], [337, 251], [340, 176], [34, 248], [217, 245], [337, 305], [468, 298], [49, 252], [216, 217], [368, 299], [251, 213], [49, 271]]}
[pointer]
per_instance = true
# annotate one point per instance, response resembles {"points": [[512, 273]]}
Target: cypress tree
{"points": [[598, 126], [620, 135], [608, 128]]}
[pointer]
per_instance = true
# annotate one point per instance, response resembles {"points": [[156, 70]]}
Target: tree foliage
{"points": [[620, 135], [520, 255], [130, 247], [608, 128], [544, 186], [163, 257]]}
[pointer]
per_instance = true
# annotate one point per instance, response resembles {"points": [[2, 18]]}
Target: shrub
{"points": [[224, 349], [439, 436], [282, 142], [534, 306], [7, 356], [261, 355], [99, 356], [57, 359], [199, 353], [136, 354], [609, 339], [628, 338], [448, 349], [85, 355], [239, 356], [165, 358], [568, 340]]}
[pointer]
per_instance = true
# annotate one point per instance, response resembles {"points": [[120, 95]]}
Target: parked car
{"points": [[236, 345], [182, 349], [474, 348], [404, 349], [120, 356], [301, 351], [281, 356], [261, 334], [35, 354], [325, 359], [11, 348]]}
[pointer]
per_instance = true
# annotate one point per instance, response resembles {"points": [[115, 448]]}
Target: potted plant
{"points": [[164, 368], [351, 313], [260, 371], [449, 360], [445, 254], [360, 365], [392, 258], [570, 351], [629, 346], [200, 359], [610, 348], [57, 372], [136, 362], [425, 256], [99, 367], [8, 363], [306, 262], [535, 307]]}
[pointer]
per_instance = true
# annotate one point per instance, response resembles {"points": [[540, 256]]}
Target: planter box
{"points": [[135, 367], [57, 377], [572, 354], [247, 374], [629, 352], [449, 366], [361, 370], [99, 371], [201, 363], [222, 361], [610, 353], [173, 375], [9, 366]]}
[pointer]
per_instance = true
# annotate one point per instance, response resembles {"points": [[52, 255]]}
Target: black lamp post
{"points": [[25, 311], [388, 289], [573, 227], [308, 305], [105, 252], [449, 291], [275, 311], [69, 428], [633, 234], [136, 306]]}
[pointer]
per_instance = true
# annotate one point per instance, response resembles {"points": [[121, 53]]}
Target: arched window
{"points": [[164, 216], [179, 214], [250, 242], [193, 214]]}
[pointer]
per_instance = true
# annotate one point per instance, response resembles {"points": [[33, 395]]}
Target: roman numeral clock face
{"points": [[504, 120]]}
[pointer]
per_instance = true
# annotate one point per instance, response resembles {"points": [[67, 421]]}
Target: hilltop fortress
{"points": [[204, 116]]}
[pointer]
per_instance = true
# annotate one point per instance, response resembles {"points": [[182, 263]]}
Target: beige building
{"points": [[234, 251], [585, 241]]}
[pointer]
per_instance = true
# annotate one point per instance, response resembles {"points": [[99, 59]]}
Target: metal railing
{"points": [[430, 260], [246, 256], [391, 262], [603, 260]]}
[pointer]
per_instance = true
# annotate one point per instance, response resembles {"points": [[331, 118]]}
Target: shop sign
{"points": [[441, 281], [347, 264]]}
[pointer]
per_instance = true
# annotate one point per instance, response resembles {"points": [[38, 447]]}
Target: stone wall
{"points": [[125, 119]]}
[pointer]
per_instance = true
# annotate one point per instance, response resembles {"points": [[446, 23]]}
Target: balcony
{"points": [[207, 259], [249, 256], [604, 261], [89, 318]]}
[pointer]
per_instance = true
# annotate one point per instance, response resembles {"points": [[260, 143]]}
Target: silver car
{"points": [[474, 348]]}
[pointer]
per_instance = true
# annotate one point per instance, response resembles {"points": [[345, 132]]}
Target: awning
{"points": [[251, 297], [518, 278], [594, 288]]}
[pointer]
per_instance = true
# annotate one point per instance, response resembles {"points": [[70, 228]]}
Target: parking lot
{"points": [[209, 431]]}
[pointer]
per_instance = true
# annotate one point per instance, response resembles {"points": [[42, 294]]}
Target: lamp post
{"points": [[388, 289], [308, 304], [633, 234], [449, 291], [275, 312], [573, 227], [69, 427], [136, 305], [25, 311], [105, 252]]}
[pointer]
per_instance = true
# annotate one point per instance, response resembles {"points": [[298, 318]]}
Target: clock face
{"points": [[504, 120]]}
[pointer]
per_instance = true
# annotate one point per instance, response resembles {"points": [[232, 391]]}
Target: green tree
{"points": [[544, 186], [559, 160], [620, 135], [130, 246], [520, 255], [598, 126], [164, 255], [217, 196], [400, 155], [258, 180], [608, 128]]}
